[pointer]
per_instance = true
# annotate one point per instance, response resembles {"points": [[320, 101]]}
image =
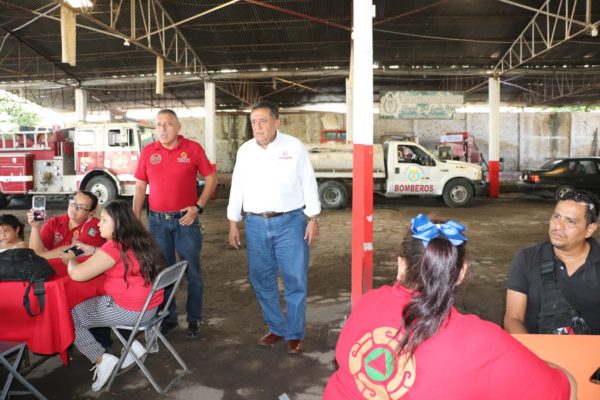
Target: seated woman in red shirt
{"points": [[407, 341], [130, 260]]}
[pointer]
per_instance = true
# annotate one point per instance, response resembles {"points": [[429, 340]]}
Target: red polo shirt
{"points": [[172, 174], [55, 232]]}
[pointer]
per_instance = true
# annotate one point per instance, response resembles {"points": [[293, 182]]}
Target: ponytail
{"points": [[433, 270]]}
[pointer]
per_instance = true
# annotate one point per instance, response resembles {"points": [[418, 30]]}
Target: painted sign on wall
{"points": [[420, 104]]}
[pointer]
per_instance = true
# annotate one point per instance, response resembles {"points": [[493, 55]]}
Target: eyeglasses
{"points": [[78, 207]]}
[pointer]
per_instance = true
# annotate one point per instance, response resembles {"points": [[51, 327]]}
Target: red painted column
{"points": [[361, 77], [494, 178], [362, 221], [494, 142]]}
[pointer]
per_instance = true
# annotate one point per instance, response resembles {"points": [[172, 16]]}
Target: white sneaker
{"points": [[138, 350], [103, 371]]}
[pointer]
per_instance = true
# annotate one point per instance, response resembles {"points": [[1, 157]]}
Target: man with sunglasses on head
{"points": [[554, 286], [60, 233]]}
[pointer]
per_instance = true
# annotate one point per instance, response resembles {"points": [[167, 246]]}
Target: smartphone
{"points": [[595, 378], [75, 249], [38, 205]]}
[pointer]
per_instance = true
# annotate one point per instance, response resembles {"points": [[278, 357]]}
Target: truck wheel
{"points": [[102, 187], [4, 200], [332, 195], [458, 193], [561, 191]]}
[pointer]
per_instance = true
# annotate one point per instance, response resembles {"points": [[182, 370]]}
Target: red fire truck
{"points": [[97, 157]]}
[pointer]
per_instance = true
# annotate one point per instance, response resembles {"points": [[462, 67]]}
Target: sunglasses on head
{"points": [[579, 197]]}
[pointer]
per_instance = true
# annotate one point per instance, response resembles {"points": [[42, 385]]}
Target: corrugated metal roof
{"points": [[418, 45]]}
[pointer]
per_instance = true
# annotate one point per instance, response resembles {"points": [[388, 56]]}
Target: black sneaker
{"points": [[193, 329], [167, 326]]}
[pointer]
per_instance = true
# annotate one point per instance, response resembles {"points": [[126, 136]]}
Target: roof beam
{"points": [[552, 25], [550, 88]]}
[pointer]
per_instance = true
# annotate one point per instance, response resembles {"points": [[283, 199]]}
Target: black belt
{"points": [[167, 215]]}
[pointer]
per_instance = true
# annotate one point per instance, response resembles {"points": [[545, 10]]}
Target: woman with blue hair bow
{"points": [[407, 341]]}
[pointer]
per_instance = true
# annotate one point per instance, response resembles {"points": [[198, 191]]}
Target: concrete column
{"points": [[349, 113], [160, 75], [68, 31], [362, 124], [81, 104], [494, 142], [210, 142]]}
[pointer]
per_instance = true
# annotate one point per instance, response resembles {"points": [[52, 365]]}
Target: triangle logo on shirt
{"points": [[379, 364]]}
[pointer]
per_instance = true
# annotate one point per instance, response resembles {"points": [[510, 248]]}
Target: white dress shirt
{"points": [[279, 178]]}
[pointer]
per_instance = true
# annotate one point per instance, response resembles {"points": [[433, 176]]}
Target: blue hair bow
{"points": [[423, 229]]}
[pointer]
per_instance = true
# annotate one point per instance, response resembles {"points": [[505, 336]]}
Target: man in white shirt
{"points": [[274, 186]]}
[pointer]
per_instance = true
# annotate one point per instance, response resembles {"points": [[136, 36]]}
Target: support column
{"points": [[68, 30], [81, 104], [160, 75], [210, 143], [494, 139], [362, 126]]}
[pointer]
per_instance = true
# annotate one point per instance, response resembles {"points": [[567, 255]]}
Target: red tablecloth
{"points": [[52, 331]]}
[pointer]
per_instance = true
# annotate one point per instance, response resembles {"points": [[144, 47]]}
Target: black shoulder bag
{"points": [[25, 265], [556, 315]]}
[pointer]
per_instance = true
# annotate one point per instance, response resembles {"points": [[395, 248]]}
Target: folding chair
{"points": [[8, 349], [171, 276]]}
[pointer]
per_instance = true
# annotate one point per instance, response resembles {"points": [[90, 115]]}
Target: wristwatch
{"points": [[200, 209], [315, 219]]}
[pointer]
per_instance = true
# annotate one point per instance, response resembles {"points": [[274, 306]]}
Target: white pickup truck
{"points": [[399, 169]]}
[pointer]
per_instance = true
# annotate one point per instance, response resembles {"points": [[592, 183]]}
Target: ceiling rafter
{"points": [[549, 88], [552, 25], [243, 90]]}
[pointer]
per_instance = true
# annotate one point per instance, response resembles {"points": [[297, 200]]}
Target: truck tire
{"points": [[561, 191], [4, 200], [332, 195], [103, 188], [458, 193]]}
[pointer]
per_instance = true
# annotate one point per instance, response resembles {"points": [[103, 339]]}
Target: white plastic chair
{"points": [[170, 276], [7, 350]]}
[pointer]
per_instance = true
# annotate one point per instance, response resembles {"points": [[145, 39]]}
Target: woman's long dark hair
{"points": [[433, 272], [132, 235]]}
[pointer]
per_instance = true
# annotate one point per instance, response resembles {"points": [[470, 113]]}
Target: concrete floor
{"points": [[227, 364]]}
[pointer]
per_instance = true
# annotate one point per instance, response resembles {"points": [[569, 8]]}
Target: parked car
{"points": [[562, 174]]}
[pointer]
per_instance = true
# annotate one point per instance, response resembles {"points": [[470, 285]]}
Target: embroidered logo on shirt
{"points": [[183, 158], [155, 159], [92, 232], [285, 156], [58, 237], [378, 369]]}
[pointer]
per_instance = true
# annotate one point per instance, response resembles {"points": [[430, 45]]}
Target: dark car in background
{"points": [[561, 174]]}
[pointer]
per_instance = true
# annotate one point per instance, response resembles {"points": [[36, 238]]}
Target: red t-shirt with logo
{"points": [[132, 294], [173, 173], [466, 359], [55, 232]]}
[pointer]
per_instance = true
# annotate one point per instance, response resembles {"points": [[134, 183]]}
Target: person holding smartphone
{"points": [[51, 238], [408, 341]]}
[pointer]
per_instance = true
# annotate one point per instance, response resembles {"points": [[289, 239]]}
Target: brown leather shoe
{"points": [[295, 346], [269, 340]]}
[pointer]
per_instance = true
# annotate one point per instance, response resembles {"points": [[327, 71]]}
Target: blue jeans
{"points": [[187, 241], [277, 244]]}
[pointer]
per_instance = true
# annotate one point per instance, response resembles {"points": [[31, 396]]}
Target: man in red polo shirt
{"points": [[60, 232], [170, 166]]}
